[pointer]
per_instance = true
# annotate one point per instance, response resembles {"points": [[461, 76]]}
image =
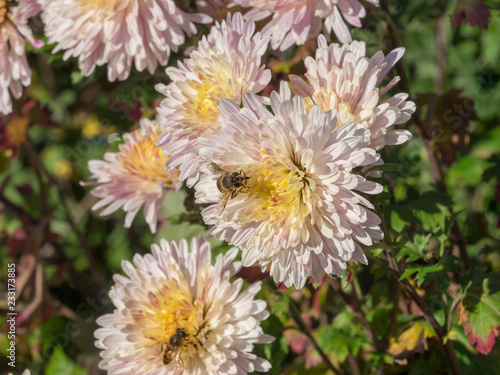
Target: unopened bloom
{"points": [[293, 22], [226, 64], [14, 32], [134, 177], [343, 78], [176, 287], [117, 32], [300, 214]]}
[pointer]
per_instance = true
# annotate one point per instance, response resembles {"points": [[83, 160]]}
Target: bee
{"points": [[172, 348], [229, 184]]}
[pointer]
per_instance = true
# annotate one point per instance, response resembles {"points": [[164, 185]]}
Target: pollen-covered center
{"points": [[165, 313], [213, 83], [328, 100], [143, 157], [280, 191], [326, 94]]}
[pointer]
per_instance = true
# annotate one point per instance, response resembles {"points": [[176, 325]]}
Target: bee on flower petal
{"points": [[229, 184], [172, 348]]}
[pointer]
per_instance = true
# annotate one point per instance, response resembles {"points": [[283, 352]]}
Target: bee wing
{"points": [[223, 201], [214, 168], [155, 350]]}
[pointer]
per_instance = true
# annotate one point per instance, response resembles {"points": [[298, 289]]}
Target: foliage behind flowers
{"points": [[359, 182]]}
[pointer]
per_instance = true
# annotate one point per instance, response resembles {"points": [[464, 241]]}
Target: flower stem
{"points": [[355, 307], [295, 314]]}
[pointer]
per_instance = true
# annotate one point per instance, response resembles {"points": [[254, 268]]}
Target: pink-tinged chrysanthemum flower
{"points": [[117, 32], [176, 290], [134, 177], [226, 64], [296, 21], [14, 32], [343, 78], [300, 213]]}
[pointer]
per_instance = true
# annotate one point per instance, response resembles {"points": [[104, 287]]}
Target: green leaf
{"points": [[173, 205], [494, 170], [276, 351], [468, 170], [60, 364], [398, 221], [345, 335], [414, 250], [280, 307], [432, 209], [379, 272], [433, 272], [176, 232], [407, 273]]}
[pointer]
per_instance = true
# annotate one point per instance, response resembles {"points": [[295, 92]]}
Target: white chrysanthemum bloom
{"points": [[293, 22], [343, 78], [226, 64], [14, 32], [177, 288], [117, 32], [134, 177], [301, 213]]}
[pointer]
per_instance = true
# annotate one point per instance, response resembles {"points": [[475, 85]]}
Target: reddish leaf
{"points": [[473, 12], [452, 114], [480, 310], [484, 344], [252, 273], [282, 287]]}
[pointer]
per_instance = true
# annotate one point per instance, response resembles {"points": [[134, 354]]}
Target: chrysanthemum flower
{"points": [[226, 64], [300, 213], [134, 177], [296, 21], [343, 78], [117, 32], [14, 32], [177, 288]]}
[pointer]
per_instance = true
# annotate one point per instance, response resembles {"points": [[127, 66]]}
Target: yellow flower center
{"points": [[203, 95], [209, 95], [165, 312], [282, 191], [143, 157], [329, 100], [174, 310]]}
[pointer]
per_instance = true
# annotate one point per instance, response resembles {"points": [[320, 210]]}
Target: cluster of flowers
{"points": [[281, 176], [122, 33]]}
